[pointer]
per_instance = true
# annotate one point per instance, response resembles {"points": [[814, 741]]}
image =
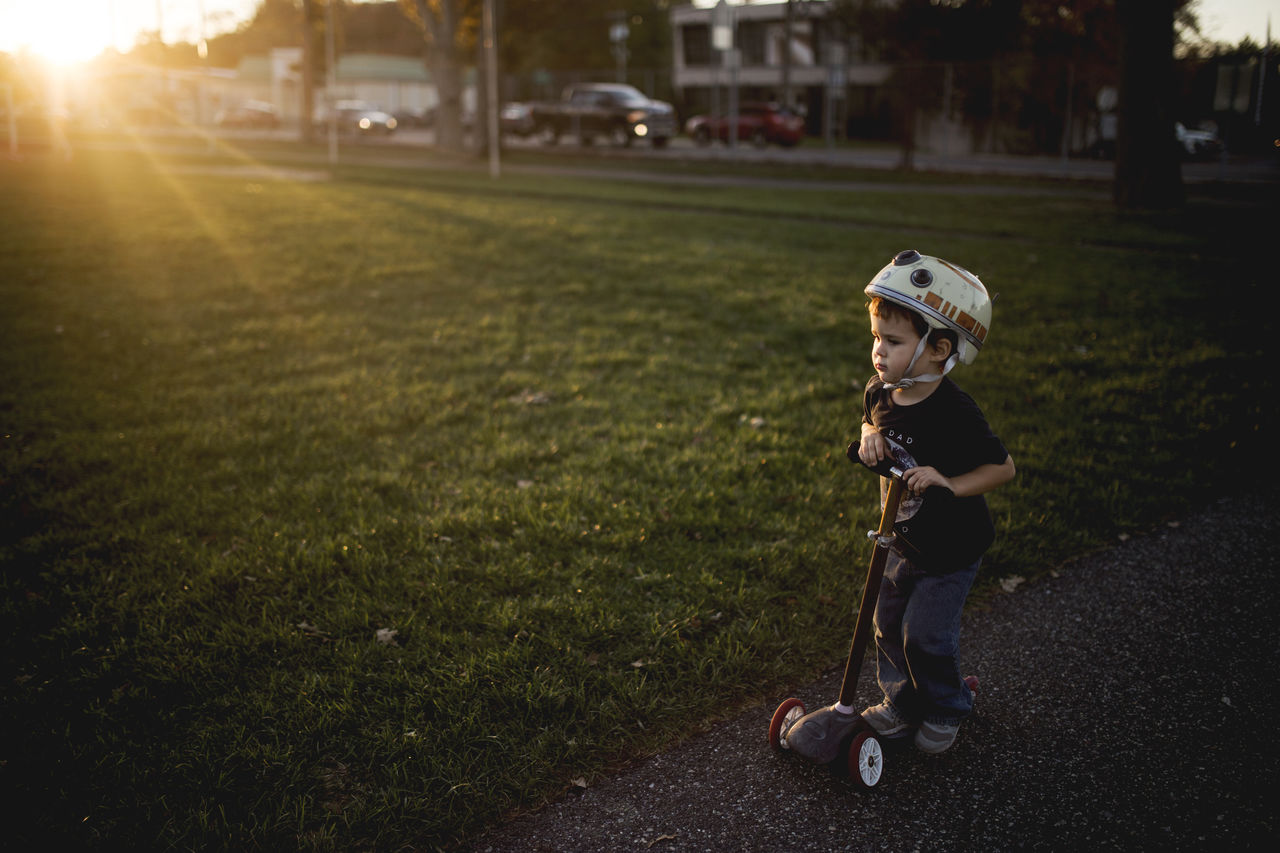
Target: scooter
{"points": [[825, 735]]}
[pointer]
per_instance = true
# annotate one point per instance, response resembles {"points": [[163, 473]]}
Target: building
{"points": [[275, 78], [745, 46], [397, 84]]}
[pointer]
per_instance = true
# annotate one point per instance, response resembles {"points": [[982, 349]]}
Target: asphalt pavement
{"points": [[1125, 705], [415, 147]]}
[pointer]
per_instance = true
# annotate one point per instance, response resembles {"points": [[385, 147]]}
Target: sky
{"points": [[72, 30]]}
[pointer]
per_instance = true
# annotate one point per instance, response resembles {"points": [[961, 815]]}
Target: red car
{"points": [[758, 123]]}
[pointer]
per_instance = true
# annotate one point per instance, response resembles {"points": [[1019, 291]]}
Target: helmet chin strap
{"points": [[908, 381]]}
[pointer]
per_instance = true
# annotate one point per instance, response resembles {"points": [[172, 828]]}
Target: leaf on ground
{"points": [[529, 397], [1011, 583]]}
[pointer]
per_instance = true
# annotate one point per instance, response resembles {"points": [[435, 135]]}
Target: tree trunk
{"points": [[1148, 166], [443, 23], [449, 111]]}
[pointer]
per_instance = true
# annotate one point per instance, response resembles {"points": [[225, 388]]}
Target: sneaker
{"points": [[936, 737], [886, 721]]}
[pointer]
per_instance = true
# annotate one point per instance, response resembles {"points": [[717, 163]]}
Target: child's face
{"points": [[893, 342]]}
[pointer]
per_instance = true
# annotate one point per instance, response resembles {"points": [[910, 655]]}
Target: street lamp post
{"points": [[330, 81], [723, 20], [618, 34], [491, 88]]}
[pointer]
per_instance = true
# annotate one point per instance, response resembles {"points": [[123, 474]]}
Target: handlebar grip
{"points": [[886, 468]]}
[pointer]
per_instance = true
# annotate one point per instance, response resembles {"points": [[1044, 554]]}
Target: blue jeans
{"points": [[917, 636]]}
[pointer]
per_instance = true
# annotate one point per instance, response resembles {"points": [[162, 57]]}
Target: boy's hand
{"points": [[925, 477], [872, 449]]}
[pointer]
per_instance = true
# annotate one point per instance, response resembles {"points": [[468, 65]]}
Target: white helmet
{"points": [[945, 295]]}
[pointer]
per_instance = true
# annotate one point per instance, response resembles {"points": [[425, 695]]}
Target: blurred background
{"points": [[956, 76]]}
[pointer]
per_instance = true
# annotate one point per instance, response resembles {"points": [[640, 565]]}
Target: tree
{"points": [[379, 27], [449, 28], [920, 37], [1148, 169], [573, 35]]}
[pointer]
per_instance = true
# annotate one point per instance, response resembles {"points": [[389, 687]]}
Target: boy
{"points": [[927, 315]]}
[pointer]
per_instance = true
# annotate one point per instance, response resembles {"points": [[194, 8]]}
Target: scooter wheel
{"points": [[866, 759], [971, 681], [783, 718]]}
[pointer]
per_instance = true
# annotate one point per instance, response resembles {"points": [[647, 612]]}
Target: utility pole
{"points": [[837, 79], [491, 88], [723, 21], [786, 54], [1262, 75], [202, 50], [618, 35], [331, 81], [7, 88], [307, 110]]}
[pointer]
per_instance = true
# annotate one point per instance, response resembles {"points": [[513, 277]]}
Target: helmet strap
{"points": [[908, 381]]}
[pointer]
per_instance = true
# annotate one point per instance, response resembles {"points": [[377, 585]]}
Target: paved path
{"points": [[1128, 703]]}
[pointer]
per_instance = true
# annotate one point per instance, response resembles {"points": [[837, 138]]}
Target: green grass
{"points": [[578, 443]]}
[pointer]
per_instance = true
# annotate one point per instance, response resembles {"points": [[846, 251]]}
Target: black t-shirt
{"points": [[947, 431]]}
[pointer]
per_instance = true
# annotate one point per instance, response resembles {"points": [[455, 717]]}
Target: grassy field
{"points": [[355, 513]]}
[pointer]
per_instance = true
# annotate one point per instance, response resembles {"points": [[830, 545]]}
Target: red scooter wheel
{"points": [[788, 712], [866, 759], [971, 681]]}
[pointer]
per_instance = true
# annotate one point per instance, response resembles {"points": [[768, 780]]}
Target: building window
{"points": [[828, 41], [751, 39], [696, 39], [802, 47]]}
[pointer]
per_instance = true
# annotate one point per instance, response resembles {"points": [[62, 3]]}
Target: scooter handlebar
{"points": [[886, 468]]}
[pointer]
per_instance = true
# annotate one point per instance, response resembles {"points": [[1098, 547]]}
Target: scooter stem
{"points": [[883, 537]]}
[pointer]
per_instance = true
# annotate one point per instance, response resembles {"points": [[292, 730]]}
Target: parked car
{"points": [[759, 123], [406, 117], [614, 111], [466, 119], [250, 114], [363, 117], [1197, 143], [516, 119]]}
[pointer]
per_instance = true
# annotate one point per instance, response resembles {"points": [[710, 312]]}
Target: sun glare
{"points": [[58, 38]]}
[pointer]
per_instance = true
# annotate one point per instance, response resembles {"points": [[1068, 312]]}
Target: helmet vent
{"points": [[921, 278]]}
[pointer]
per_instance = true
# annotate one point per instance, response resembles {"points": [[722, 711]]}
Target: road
{"points": [[1126, 705], [1231, 169], [888, 159]]}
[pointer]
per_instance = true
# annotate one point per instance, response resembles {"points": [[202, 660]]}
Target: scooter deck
{"points": [[820, 735]]}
